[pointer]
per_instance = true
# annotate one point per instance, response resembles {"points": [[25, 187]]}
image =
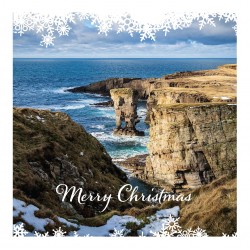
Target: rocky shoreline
{"points": [[192, 119]]}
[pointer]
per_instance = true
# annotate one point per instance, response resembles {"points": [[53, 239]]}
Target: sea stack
{"points": [[125, 104]]}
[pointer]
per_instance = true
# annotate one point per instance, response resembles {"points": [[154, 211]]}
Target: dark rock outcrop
{"points": [[136, 165], [104, 104], [103, 87]]}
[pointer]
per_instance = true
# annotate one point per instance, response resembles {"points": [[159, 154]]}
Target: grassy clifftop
{"points": [[213, 207]]}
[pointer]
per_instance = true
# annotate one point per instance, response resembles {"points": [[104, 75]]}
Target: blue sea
{"points": [[41, 84]]}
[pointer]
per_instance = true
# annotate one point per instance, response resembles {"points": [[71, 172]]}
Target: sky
{"points": [[85, 42]]}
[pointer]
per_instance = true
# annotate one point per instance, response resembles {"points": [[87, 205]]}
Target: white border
{"points": [[241, 242]]}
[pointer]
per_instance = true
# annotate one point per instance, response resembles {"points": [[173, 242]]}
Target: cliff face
{"points": [[191, 144], [50, 149], [192, 129], [174, 95]]}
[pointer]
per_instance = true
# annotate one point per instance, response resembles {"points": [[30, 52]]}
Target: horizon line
{"points": [[124, 57]]}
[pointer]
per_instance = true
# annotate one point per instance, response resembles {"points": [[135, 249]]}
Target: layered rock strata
{"points": [[174, 95], [125, 104], [191, 144]]}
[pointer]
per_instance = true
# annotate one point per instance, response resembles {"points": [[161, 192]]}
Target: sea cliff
{"points": [[50, 149]]}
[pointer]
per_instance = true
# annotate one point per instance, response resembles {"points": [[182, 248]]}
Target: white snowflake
{"points": [[228, 235], [48, 23], [117, 233], [37, 234], [47, 40], [234, 234], [169, 228], [19, 231], [86, 235], [127, 24], [105, 26], [186, 233], [23, 23], [198, 232], [163, 233], [172, 223], [63, 29], [59, 232], [206, 19], [45, 23], [147, 31]]}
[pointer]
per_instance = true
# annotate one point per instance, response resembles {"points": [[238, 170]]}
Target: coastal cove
{"points": [[131, 142], [41, 84]]}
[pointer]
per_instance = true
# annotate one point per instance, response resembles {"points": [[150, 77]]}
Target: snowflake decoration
{"points": [[63, 29], [45, 23], [59, 232], [19, 231], [86, 235], [163, 232], [37, 234], [47, 40], [206, 19], [23, 23], [171, 228], [227, 235], [172, 223], [147, 31], [51, 26], [199, 232], [127, 24], [117, 233], [185, 233]]}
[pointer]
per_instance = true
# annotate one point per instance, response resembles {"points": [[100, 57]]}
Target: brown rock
{"points": [[125, 104], [191, 144]]}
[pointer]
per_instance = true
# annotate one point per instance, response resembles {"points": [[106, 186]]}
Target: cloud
{"points": [[84, 41]]}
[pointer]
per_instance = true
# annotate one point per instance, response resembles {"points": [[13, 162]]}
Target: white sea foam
{"points": [[87, 101], [98, 126], [61, 90], [133, 140], [73, 106], [97, 134], [60, 107]]}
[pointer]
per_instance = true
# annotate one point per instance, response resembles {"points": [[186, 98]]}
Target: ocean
{"points": [[41, 84]]}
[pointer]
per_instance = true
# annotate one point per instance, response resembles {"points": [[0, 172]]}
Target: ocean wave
{"points": [[61, 90], [141, 112], [122, 140], [121, 155], [60, 107], [95, 95], [98, 126], [76, 106], [97, 134], [87, 101]]}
